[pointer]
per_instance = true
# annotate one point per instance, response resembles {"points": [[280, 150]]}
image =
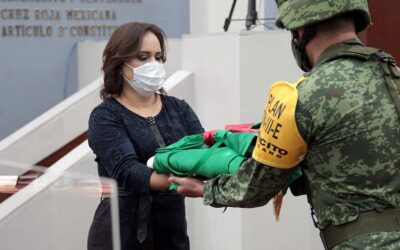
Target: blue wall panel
{"points": [[38, 43]]}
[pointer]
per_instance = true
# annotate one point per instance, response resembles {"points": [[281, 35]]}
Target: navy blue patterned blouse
{"points": [[123, 141]]}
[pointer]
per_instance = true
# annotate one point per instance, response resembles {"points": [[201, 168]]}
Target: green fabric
{"points": [[256, 126], [191, 155], [296, 175], [239, 142], [187, 142], [182, 163]]}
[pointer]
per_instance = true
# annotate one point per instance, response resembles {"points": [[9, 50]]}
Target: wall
{"points": [[385, 24], [38, 44]]}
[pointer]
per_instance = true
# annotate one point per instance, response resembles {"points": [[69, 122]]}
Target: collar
{"points": [[333, 50]]}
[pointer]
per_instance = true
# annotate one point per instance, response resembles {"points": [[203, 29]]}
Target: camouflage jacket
{"points": [[346, 116]]}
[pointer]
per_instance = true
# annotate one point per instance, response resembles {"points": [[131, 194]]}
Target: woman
{"points": [[136, 118]]}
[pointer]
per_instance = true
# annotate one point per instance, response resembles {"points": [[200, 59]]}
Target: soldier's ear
{"points": [[279, 2]]}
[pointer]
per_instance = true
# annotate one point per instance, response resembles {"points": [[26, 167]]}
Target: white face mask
{"points": [[147, 78]]}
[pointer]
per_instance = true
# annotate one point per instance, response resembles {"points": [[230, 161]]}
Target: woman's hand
{"points": [[188, 186], [159, 182]]}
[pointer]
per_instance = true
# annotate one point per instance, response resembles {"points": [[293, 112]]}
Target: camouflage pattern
{"points": [[352, 129], [293, 14], [346, 116], [253, 185], [381, 241]]}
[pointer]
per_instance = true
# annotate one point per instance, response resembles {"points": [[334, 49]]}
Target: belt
{"points": [[145, 204], [387, 220]]}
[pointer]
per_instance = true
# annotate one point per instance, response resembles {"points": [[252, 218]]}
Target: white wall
{"points": [[233, 72]]}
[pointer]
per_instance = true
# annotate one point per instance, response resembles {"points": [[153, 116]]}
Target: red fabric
{"points": [[244, 127], [208, 137]]}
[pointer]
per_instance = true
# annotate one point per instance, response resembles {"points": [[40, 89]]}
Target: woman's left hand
{"points": [[159, 182]]}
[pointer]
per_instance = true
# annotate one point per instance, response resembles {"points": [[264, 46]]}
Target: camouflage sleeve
{"points": [[253, 185]]}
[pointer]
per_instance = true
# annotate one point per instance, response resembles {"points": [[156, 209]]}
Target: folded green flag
{"points": [[208, 162], [190, 155]]}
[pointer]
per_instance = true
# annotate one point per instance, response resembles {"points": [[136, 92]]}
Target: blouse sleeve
{"points": [[191, 122], [115, 153]]}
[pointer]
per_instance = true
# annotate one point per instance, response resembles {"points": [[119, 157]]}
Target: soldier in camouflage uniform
{"points": [[340, 124]]}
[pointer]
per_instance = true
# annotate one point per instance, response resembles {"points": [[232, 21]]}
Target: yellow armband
{"points": [[279, 143]]}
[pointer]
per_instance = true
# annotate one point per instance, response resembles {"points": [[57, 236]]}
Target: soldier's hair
{"points": [[336, 23]]}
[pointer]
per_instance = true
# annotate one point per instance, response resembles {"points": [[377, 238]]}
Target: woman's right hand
{"points": [[159, 182]]}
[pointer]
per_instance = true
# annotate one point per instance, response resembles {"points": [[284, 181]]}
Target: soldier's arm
{"points": [[253, 185]]}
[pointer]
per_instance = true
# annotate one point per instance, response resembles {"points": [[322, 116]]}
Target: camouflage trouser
{"points": [[375, 241]]}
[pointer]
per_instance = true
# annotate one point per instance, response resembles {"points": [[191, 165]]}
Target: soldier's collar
{"points": [[333, 50]]}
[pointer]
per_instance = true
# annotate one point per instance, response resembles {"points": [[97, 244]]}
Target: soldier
{"points": [[340, 123]]}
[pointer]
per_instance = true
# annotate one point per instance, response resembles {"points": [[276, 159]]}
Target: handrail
{"points": [[62, 123], [55, 210], [47, 177]]}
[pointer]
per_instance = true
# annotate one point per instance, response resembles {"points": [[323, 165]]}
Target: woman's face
{"points": [[150, 51]]}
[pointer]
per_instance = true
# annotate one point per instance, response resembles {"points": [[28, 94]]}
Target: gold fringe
{"points": [[277, 202]]}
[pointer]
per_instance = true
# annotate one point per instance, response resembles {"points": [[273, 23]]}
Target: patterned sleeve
{"points": [[253, 185], [305, 122], [191, 122], [115, 153]]}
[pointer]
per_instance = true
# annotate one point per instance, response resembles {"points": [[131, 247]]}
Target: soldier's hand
{"points": [[188, 186]]}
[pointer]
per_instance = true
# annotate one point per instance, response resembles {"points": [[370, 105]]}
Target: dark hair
{"points": [[337, 23], [123, 45]]}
